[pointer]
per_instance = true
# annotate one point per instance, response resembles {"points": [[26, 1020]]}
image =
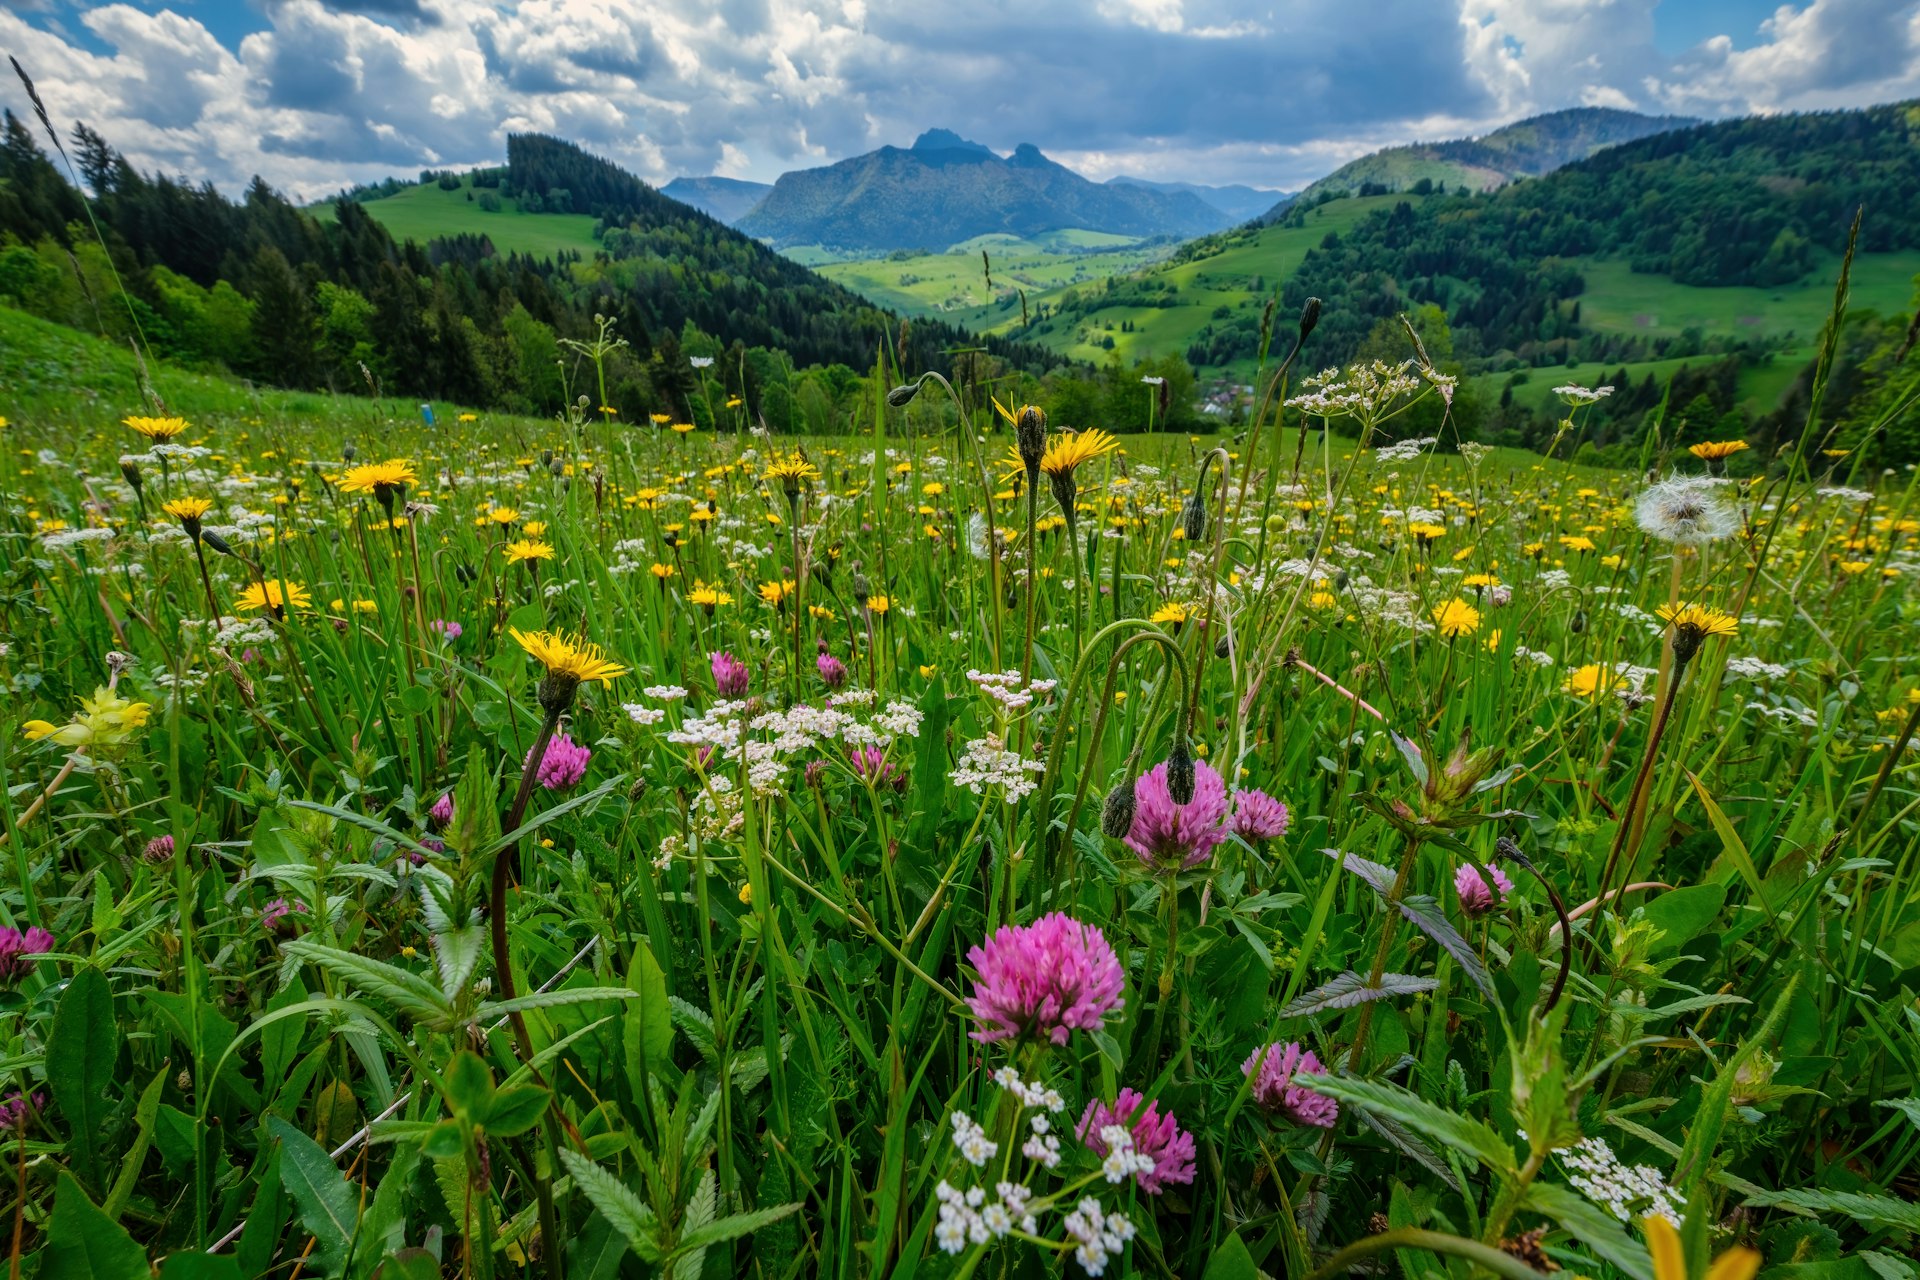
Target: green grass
{"points": [[953, 284], [1758, 388], [1618, 300], [426, 213]]}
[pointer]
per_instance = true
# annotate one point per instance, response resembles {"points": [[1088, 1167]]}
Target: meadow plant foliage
{"points": [[977, 845]]}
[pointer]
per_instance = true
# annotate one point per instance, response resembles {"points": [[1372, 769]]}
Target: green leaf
{"points": [[1350, 989], [1683, 914], [1231, 1261], [1461, 1133], [627, 1212], [735, 1225], [549, 1000], [200, 1266], [443, 1141], [327, 1202], [81, 1053], [143, 1117], [595, 1253], [514, 1111], [1594, 1226], [469, 1085], [408, 992], [1870, 1210], [83, 1243], [646, 1029]]}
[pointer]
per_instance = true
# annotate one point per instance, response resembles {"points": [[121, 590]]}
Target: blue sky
{"points": [[316, 94]]}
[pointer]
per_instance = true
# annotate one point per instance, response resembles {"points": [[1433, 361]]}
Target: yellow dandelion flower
{"points": [[1456, 618], [378, 478], [1067, 451], [1716, 450], [187, 508], [157, 428], [528, 549], [568, 655], [776, 593], [1705, 620], [878, 604], [503, 515], [1592, 681], [1670, 1262], [1173, 611], [274, 594]]}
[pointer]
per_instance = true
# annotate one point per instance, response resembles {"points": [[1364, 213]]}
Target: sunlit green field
{"points": [[427, 212]]}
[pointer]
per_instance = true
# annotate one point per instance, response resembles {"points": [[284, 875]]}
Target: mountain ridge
{"points": [[727, 199]]}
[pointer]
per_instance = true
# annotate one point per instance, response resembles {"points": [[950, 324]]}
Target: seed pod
{"points": [[861, 590], [1030, 433], [348, 452], [1180, 780], [1579, 622], [215, 541], [1309, 317], [638, 790], [131, 470], [1116, 815], [902, 396], [1194, 519], [1221, 647]]}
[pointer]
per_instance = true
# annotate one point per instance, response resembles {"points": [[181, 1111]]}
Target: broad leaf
{"points": [[83, 1243], [328, 1203], [81, 1052], [1350, 989], [1598, 1229], [628, 1213]]}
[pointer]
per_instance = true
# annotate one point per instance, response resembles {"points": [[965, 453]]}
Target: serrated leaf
{"points": [[733, 1226], [697, 1025], [627, 1212], [458, 953], [1427, 915], [1350, 989], [1461, 1133], [551, 999], [408, 992], [1409, 1145], [1598, 1229], [1872, 1210]]}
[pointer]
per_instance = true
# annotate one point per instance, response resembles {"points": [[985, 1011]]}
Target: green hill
{"points": [[432, 211], [955, 283]]}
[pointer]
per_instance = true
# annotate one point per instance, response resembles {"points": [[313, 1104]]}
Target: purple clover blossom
{"points": [[1045, 979], [870, 764], [832, 671], [1475, 898], [1257, 816], [442, 811], [1272, 1070], [1173, 835], [1156, 1134], [158, 849], [278, 914], [447, 631], [564, 764], [17, 950], [730, 676], [18, 1107]]}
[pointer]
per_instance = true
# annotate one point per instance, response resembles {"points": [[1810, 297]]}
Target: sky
{"points": [[316, 95]]}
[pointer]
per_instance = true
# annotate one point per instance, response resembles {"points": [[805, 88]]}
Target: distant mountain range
{"points": [[1238, 202], [945, 189], [1527, 149], [727, 199]]}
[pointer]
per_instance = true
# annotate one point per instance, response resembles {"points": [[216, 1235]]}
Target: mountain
{"points": [[1526, 149], [724, 198], [945, 189], [1238, 202]]}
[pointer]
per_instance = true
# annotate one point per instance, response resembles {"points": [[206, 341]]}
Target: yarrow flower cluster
{"points": [[1625, 1191], [1047, 980], [1008, 689], [1098, 1236], [987, 763], [1272, 1069]]}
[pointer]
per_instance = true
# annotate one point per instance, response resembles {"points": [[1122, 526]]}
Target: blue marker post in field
{"points": [[426, 414]]}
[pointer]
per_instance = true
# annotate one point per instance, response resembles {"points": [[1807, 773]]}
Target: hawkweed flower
{"points": [[569, 661], [730, 677], [1273, 1069], [1456, 618], [528, 549], [1257, 816], [1157, 1136], [157, 429], [564, 763], [1692, 624], [189, 512], [275, 595], [792, 472], [1064, 455], [384, 480], [1686, 511], [1168, 834], [1044, 980], [1476, 899], [17, 950]]}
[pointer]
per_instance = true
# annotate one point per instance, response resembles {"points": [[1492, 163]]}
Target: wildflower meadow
{"points": [[971, 844]]}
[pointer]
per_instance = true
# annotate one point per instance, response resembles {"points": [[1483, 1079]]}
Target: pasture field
{"points": [[956, 847]]}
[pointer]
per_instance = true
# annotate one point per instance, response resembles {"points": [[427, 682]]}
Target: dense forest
{"points": [[265, 289]]}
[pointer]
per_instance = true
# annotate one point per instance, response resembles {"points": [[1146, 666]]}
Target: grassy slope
{"points": [[425, 212], [952, 283]]}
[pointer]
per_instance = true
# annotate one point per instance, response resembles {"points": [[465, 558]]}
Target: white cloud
{"points": [[1270, 92]]}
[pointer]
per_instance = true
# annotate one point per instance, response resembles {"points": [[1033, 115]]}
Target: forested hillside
{"points": [[264, 288]]}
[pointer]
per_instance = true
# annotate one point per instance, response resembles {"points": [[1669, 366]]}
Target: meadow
{"points": [[965, 845]]}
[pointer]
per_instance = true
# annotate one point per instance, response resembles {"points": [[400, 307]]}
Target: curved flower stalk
{"points": [[1147, 634]]}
